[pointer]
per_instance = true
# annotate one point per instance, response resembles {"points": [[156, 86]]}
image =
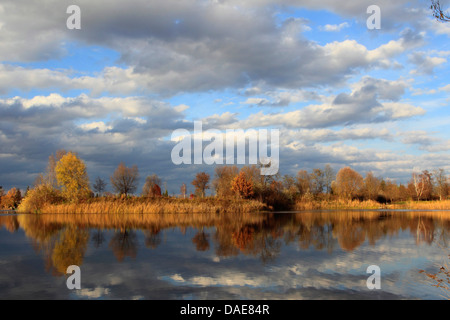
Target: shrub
{"points": [[11, 200], [38, 197]]}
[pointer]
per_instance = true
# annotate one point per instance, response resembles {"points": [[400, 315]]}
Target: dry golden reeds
{"points": [[339, 204], [155, 205]]}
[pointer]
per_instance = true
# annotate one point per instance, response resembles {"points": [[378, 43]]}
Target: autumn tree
{"points": [[260, 182], [183, 190], [317, 181], [201, 183], [289, 186], [403, 192], [329, 176], [440, 183], [99, 186], [223, 176], [303, 182], [392, 191], [242, 186], [72, 177], [38, 197], [422, 184], [152, 186], [12, 199], [371, 186], [49, 177], [428, 180], [348, 183], [125, 179]]}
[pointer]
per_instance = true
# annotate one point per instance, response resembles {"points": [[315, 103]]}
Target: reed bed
{"points": [[155, 205], [339, 204], [422, 205]]}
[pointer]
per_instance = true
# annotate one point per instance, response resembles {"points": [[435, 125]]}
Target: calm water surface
{"points": [[303, 255]]}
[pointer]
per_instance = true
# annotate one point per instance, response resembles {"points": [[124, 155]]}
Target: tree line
{"points": [[66, 179]]}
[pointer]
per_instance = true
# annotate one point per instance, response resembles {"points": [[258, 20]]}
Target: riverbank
{"points": [[7, 211], [338, 204], [214, 205], [153, 205]]}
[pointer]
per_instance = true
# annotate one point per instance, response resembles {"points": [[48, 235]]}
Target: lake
{"points": [[283, 255]]}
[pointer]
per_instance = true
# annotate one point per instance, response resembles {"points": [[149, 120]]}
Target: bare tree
{"points": [[183, 190], [124, 180], [151, 186], [440, 183], [418, 182], [223, 176], [201, 183], [303, 182], [392, 191], [289, 186], [317, 181], [330, 175], [99, 186], [371, 186], [50, 174], [438, 13]]}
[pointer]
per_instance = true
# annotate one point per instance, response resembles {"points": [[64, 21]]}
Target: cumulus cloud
{"points": [[191, 46], [326, 90], [425, 141], [362, 105], [283, 98], [328, 135], [335, 27], [104, 131], [425, 64]]}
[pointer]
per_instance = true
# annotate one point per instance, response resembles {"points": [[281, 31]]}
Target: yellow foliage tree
{"points": [[72, 176], [70, 249]]}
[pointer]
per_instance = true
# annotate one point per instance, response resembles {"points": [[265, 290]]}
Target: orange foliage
{"points": [[242, 186]]}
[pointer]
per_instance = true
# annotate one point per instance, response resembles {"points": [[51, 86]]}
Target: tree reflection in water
{"points": [[201, 241], [152, 238], [124, 244], [62, 239], [98, 238], [70, 248]]}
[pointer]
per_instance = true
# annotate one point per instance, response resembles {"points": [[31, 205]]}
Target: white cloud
{"points": [[92, 293], [98, 125], [335, 27], [425, 64]]}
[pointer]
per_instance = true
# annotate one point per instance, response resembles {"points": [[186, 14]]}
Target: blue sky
{"points": [[341, 94]]}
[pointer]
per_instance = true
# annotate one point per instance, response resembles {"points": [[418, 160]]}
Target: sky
{"points": [[116, 89]]}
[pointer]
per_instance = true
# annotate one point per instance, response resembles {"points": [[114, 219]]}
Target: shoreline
{"points": [[154, 205], [371, 205], [213, 205]]}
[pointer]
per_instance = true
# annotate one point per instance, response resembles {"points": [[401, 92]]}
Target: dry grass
{"points": [[339, 204], [155, 205], [422, 205]]}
